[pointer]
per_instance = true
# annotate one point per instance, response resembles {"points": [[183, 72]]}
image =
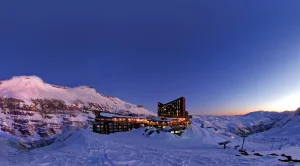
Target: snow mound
{"points": [[163, 135], [159, 134], [194, 131]]}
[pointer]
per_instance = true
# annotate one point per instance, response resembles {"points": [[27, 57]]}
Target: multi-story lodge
{"points": [[173, 109], [106, 123], [172, 114]]}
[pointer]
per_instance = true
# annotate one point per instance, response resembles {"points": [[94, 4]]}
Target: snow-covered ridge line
{"points": [[38, 79], [27, 88], [253, 122]]}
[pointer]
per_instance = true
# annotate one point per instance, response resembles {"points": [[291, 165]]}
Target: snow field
{"points": [[83, 147]]}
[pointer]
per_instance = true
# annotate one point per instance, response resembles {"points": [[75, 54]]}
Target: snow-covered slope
{"points": [[31, 107], [27, 88], [196, 146], [250, 123], [83, 147], [288, 127]]}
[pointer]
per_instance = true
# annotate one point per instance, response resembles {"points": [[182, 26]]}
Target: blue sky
{"points": [[224, 57]]}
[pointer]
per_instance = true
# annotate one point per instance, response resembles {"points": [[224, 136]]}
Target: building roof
{"points": [[110, 115], [180, 98], [138, 117]]}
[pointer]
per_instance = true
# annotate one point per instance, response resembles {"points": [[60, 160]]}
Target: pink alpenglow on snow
{"points": [[33, 87]]}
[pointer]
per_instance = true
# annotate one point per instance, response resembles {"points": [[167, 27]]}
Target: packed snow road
{"points": [[83, 147]]}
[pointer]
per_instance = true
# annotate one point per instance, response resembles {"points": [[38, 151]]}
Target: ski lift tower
{"points": [[244, 137], [225, 131]]}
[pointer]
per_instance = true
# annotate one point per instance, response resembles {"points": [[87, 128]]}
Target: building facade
{"points": [[106, 123], [173, 109], [172, 114]]}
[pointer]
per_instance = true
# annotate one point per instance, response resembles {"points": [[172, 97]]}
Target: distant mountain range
{"points": [[250, 123], [285, 132], [288, 126], [31, 107]]}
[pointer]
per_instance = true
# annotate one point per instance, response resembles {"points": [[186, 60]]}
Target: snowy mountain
{"points": [[253, 122], [284, 135], [31, 107], [287, 127]]}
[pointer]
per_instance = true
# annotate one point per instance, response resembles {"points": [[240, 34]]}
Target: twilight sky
{"points": [[224, 57]]}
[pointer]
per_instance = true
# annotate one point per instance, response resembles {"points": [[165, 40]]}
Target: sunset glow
{"points": [[291, 102]]}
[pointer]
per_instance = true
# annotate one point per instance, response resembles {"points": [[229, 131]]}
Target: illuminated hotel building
{"points": [[173, 109], [172, 114], [106, 123]]}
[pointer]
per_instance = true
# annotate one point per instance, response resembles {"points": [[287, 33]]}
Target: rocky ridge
{"points": [[33, 109]]}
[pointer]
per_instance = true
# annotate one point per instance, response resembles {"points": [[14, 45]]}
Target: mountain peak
{"points": [[27, 88], [32, 78], [297, 112], [23, 80]]}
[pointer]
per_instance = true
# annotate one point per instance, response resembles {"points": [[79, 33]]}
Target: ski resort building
{"points": [[106, 123], [172, 114], [173, 109]]}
